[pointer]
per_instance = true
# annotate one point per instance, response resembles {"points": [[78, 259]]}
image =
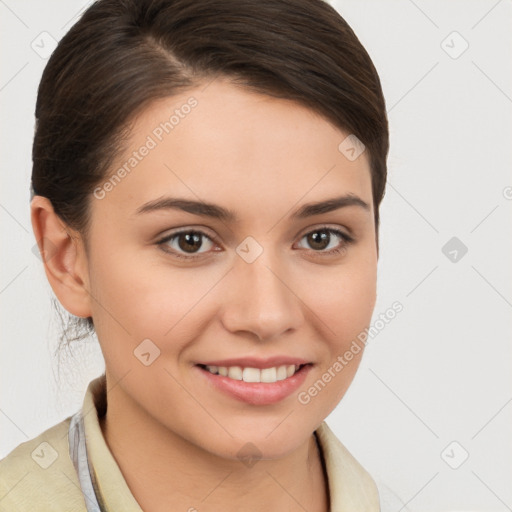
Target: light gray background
{"points": [[441, 370]]}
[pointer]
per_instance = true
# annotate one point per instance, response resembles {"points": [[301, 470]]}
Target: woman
{"points": [[206, 180]]}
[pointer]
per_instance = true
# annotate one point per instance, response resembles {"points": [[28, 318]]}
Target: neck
{"points": [[161, 467]]}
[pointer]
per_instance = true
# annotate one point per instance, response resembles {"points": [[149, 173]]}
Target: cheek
{"points": [[144, 297], [345, 306], [125, 306], [344, 299]]}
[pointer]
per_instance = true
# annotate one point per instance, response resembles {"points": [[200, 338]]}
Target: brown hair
{"points": [[123, 54]]}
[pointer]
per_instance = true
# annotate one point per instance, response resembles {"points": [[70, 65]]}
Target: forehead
{"points": [[224, 144]]}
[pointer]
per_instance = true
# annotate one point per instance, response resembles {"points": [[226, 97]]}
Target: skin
{"points": [[262, 158]]}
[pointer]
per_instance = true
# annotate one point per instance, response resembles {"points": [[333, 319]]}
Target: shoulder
{"points": [[41, 471]]}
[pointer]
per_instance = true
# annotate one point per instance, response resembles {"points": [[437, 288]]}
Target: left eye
{"points": [[322, 238]]}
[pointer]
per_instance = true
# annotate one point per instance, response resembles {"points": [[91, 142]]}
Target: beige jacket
{"points": [[40, 474]]}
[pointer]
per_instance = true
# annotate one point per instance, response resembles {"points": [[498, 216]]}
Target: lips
{"points": [[249, 374], [254, 362], [253, 393]]}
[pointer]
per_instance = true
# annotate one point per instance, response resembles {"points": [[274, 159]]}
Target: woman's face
{"points": [[263, 284]]}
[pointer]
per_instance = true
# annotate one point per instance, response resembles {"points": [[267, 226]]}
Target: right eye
{"points": [[187, 241]]}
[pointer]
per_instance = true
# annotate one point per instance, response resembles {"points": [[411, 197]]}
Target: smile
{"points": [[255, 386], [268, 375]]}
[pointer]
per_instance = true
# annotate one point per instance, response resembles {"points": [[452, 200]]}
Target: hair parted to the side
{"points": [[123, 54]]}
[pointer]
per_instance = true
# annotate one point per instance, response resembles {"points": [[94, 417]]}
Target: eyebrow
{"points": [[215, 211]]}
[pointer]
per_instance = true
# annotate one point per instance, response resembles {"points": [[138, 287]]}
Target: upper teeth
{"points": [[255, 374]]}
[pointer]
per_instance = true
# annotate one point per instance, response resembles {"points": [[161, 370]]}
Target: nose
{"points": [[261, 299]]}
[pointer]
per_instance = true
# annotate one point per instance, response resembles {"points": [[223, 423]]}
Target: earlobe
{"points": [[63, 256]]}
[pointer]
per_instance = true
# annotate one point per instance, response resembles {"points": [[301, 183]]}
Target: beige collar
{"points": [[351, 488]]}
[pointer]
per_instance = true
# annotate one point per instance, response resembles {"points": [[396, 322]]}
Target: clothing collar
{"points": [[105, 489]]}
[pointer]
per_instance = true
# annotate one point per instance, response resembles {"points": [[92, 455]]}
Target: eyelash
{"points": [[347, 240]]}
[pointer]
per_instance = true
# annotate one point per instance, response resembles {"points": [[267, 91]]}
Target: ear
{"points": [[64, 258]]}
